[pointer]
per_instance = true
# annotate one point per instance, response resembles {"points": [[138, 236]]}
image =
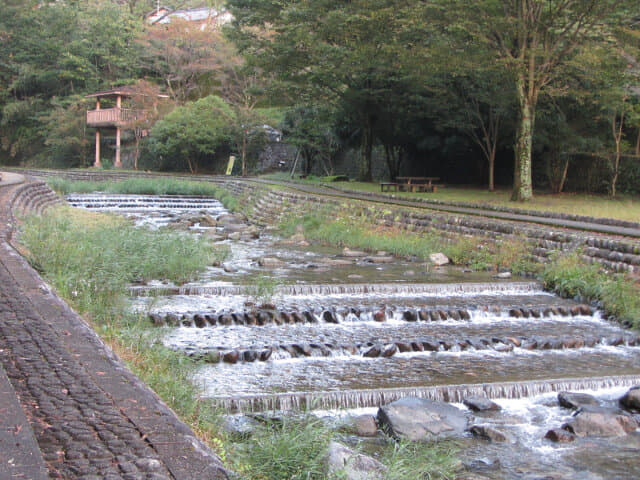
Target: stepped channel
{"points": [[361, 333]]}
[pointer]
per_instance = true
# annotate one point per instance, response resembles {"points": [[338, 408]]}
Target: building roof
{"points": [[125, 91], [164, 15]]}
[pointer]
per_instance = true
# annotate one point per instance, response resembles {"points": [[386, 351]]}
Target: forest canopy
{"points": [[520, 93]]}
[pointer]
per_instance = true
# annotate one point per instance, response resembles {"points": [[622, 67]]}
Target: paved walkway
{"points": [[69, 408]]}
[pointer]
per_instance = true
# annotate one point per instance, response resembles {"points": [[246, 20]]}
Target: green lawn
{"points": [[623, 207]]}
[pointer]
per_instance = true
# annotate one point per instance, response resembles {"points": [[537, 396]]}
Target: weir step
{"points": [[365, 398], [416, 345], [204, 319]]}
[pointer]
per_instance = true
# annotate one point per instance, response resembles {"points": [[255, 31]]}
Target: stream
{"points": [[290, 326]]}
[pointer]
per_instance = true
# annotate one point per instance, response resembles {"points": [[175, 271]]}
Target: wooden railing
{"points": [[112, 117]]}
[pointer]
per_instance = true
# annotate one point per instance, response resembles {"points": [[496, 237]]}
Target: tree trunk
{"points": [[492, 162], [366, 151], [394, 160], [522, 182], [192, 165], [557, 169], [244, 154], [136, 153], [614, 176], [617, 130]]}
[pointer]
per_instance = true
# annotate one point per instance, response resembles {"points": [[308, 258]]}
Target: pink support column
{"points": [[97, 163], [118, 162]]}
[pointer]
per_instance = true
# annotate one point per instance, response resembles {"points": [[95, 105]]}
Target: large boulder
{"points": [[601, 422], [558, 435], [350, 465], [576, 400], [347, 252], [414, 419], [488, 433], [361, 425], [270, 262], [439, 259], [631, 399], [227, 219], [480, 404]]}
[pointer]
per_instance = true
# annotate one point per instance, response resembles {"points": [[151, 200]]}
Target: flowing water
{"points": [[327, 330]]}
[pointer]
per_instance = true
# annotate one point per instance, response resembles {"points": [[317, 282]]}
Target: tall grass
{"points": [[90, 258], [146, 186], [358, 231], [287, 450], [419, 460], [296, 450], [571, 276]]}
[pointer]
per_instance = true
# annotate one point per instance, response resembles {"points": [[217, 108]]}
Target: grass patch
{"points": [[296, 450], [146, 186], [623, 207], [90, 258], [571, 276], [432, 460], [357, 231], [287, 450], [261, 289]]}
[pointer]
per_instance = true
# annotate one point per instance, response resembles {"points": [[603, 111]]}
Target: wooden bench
{"points": [[417, 184], [389, 186]]}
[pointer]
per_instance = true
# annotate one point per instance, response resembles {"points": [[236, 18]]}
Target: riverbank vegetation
{"points": [[618, 294], [357, 230], [293, 449]]}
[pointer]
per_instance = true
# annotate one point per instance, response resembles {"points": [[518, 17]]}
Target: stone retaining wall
{"points": [[268, 206], [498, 208]]}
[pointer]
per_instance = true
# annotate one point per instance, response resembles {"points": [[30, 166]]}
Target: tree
{"points": [[57, 50], [531, 39], [311, 129], [183, 56], [149, 99], [192, 133], [243, 87], [476, 101], [338, 53], [612, 73]]}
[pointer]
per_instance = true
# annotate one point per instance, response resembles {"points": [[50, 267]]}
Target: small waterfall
{"points": [[433, 289], [447, 393], [143, 202]]}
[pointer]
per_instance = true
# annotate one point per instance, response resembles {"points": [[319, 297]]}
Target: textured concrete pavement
{"points": [[69, 408]]}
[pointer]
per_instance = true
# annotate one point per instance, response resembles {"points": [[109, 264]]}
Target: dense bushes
{"points": [[192, 136]]}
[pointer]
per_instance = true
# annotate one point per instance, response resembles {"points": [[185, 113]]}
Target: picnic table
{"points": [[411, 184]]}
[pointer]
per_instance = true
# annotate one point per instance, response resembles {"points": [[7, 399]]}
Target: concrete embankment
{"points": [[70, 408]]}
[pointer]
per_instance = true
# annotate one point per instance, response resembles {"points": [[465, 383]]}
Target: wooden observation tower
{"points": [[115, 117]]}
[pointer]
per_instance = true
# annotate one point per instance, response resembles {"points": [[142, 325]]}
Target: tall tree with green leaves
{"points": [[51, 51], [192, 134], [335, 52], [531, 39]]}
